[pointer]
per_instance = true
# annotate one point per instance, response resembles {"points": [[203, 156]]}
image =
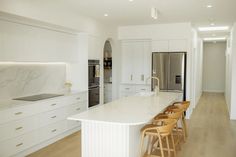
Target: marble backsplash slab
{"points": [[18, 80]]}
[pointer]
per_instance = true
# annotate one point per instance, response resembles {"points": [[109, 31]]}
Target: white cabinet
{"points": [[94, 48], [173, 45], [107, 92], [24, 127], [132, 89], [177, 45], [160, 46], [28, 43], [126, 63], [136, 62]]}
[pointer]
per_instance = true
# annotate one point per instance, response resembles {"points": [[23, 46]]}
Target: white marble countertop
{"points": [[134, 110], [8, 104]]}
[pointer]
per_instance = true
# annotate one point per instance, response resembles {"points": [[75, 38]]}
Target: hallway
{"points": [[211, 133]]}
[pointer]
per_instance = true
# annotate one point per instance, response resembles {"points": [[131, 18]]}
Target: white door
{"points": [[126, 61], [147, 62], [137, 61]]}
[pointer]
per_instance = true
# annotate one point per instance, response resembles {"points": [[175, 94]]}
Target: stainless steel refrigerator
{"points": [[170, 68]]}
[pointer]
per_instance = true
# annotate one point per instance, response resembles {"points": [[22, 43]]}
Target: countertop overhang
{"points": [[134, 110]]}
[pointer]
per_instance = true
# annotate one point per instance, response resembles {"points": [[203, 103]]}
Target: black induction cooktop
{"points": [[38, 97]]}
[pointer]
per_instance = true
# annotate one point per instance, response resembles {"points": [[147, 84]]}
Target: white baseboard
{"points": [[214, 91], [46, 143]]}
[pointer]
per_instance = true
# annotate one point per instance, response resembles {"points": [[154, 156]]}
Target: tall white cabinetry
{"points": [[136, 66]]}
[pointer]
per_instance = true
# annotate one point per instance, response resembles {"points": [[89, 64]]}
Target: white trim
{"points": [[214, 91]]}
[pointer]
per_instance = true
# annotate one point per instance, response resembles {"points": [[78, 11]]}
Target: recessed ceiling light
{"points": [[212, 24], [215, 39], [209, 6], [105, 15], [220, 28], [131, 0]]}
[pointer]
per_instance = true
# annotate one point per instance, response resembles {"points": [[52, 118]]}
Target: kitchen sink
{"points": [[38, 97]]}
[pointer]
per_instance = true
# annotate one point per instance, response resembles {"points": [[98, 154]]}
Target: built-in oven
{"points": [[94, 82]]}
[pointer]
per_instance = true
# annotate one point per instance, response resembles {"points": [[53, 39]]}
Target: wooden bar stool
{"points": [[183, 105], [160, 130], [174, 113]]}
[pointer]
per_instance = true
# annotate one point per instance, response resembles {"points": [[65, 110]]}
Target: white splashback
{"points": [[27, 79]]}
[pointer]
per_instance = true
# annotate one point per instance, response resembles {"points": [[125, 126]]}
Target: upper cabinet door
{"points": [[126, 63], [178, 45], [138, 60], [147, 63], [160, 46], [94, 48]]}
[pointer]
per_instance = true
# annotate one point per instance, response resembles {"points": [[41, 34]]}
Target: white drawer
{"points": [[18, 113], [73, 124], [52, 116], [52, 130], [17, 128], [139, 89], [81, 97], [16, 145], [76, 108], [126, 94], [53, 104], [127, 88]]}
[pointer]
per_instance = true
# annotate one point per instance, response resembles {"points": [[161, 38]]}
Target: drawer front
{"points": [[16, 145], [127, 88], [17, 128], [18, 113], [52, 116], [126, 94], [81, 97], [52, 104], [139, 89], [75, 109], [52, 130], [73, 124]]}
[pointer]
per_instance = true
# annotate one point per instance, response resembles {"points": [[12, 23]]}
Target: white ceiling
{"points": [[123, 12], [137, 12]]}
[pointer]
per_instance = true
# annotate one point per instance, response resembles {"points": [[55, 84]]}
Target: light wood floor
{"points": [[211, 134]]}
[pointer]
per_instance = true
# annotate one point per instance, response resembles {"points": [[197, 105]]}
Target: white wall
{"points": [[231, 74], [214, 66], [228, 71], [197, 61]]}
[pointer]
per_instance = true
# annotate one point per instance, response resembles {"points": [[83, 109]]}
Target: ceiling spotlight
{"points": [[154, 13], [215, 39], [212, 24], [220, 28], [209, 6], [131, 0], [105, 15]]}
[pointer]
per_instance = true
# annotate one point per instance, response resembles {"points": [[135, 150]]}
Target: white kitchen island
{"points": [[113, 129]]}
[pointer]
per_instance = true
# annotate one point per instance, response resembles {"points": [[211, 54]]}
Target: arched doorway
{"points": [[107, 60]]}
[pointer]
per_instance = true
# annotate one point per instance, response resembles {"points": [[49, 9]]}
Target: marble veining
{"points": [[27, 79]]}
